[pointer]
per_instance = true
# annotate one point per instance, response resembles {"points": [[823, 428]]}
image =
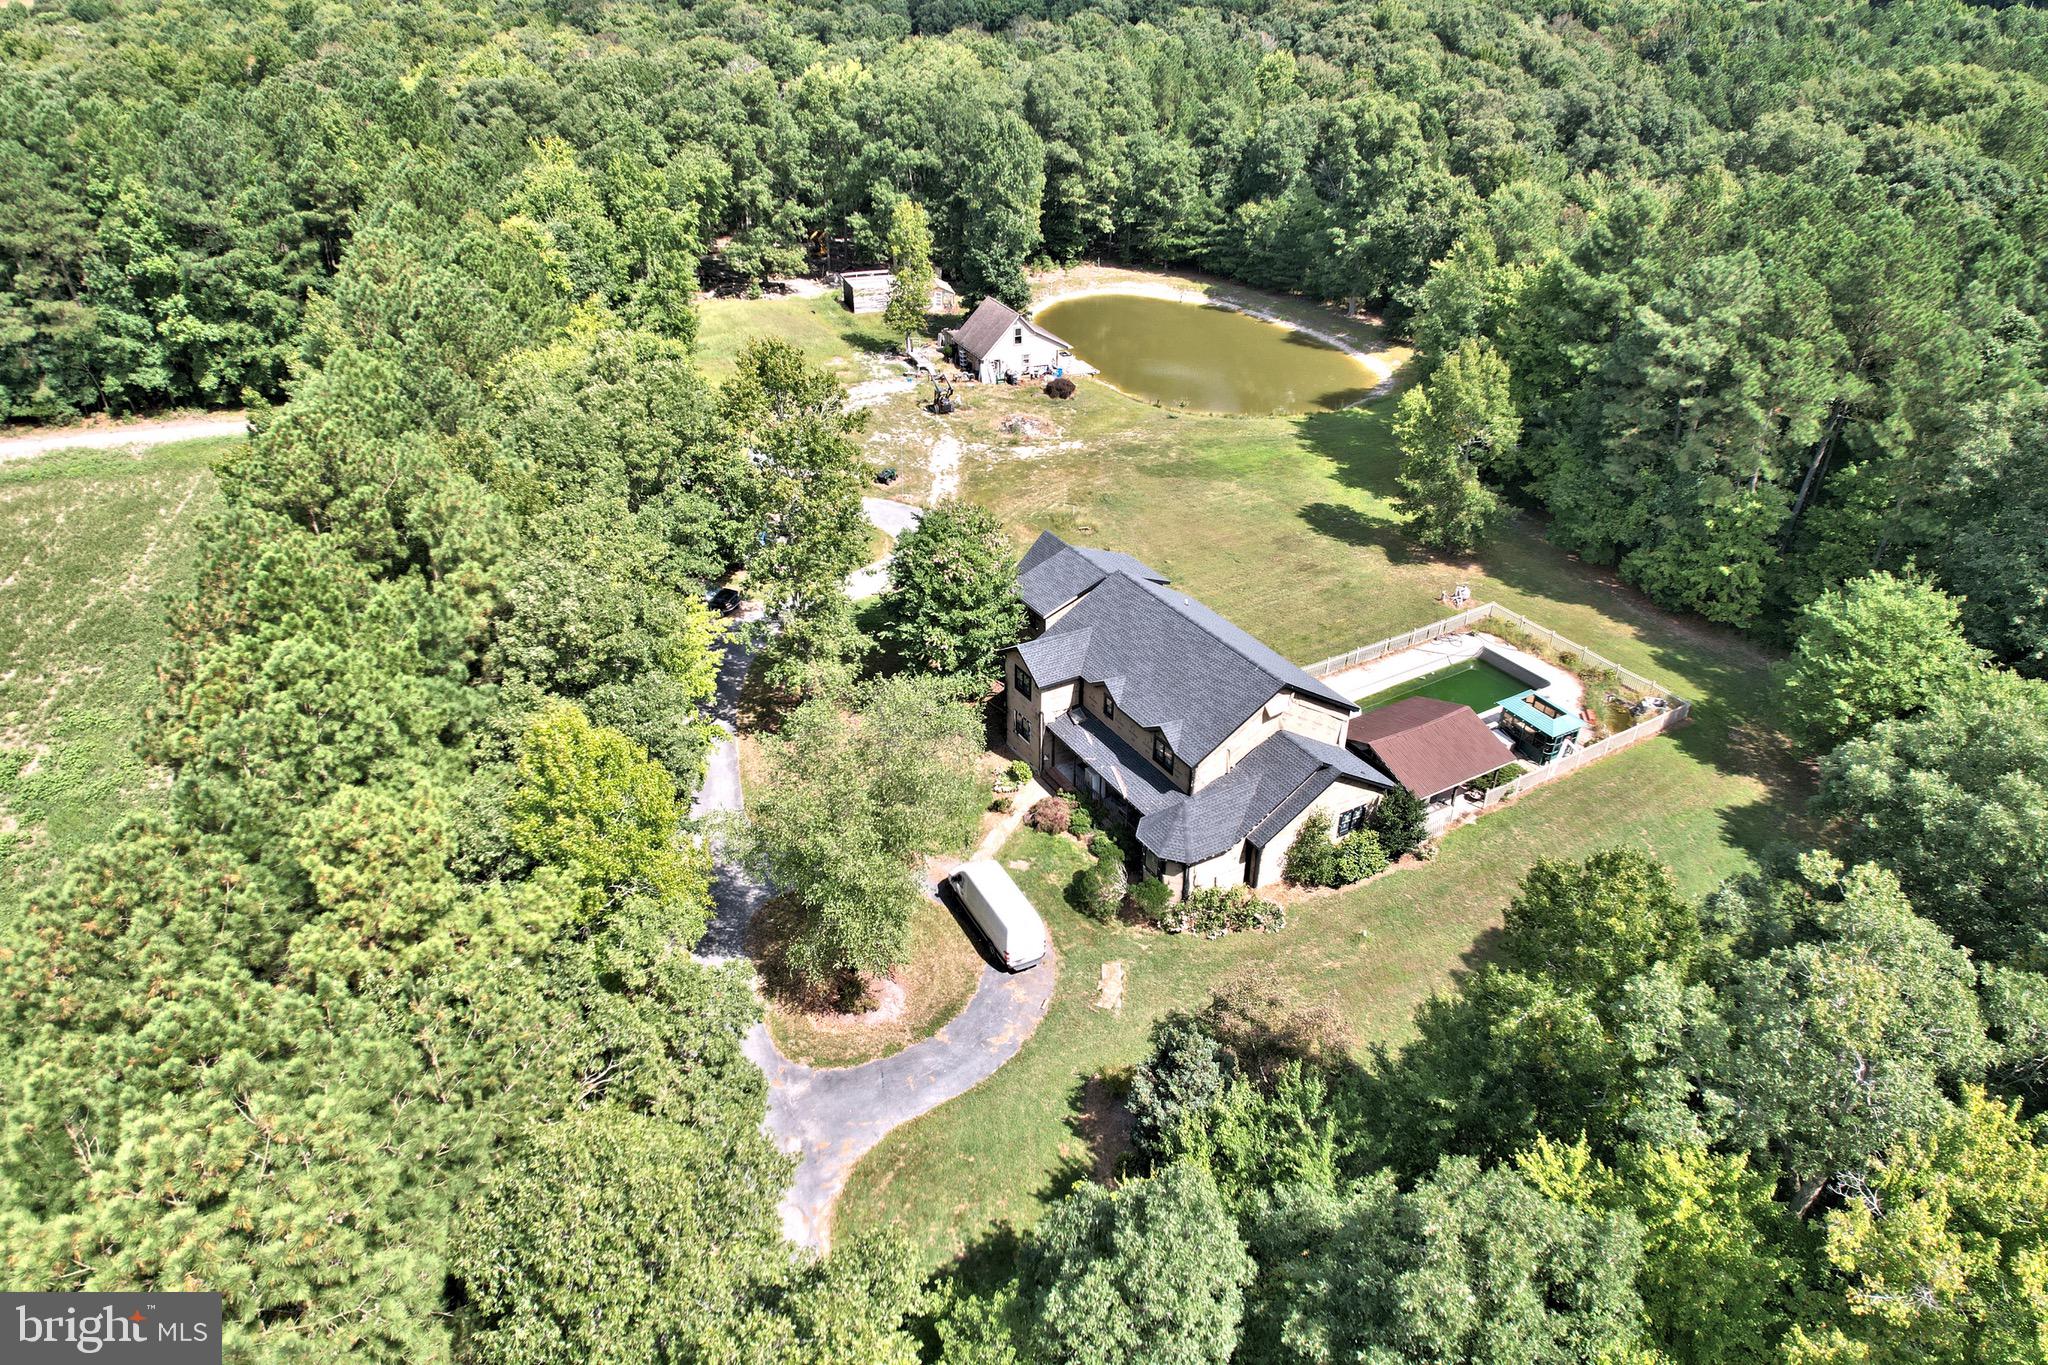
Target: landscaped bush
{"points": [[1213, 911], [1080, 819], [1100, 889], [1401, 821], [1312, 860], [1062, 387], [1153, 901], [1019, 772], [1052, 815], [1358, 856], [1003, 804]]}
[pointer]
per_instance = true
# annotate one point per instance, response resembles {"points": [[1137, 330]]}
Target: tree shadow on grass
{"points": [[1354, 527], [1359, 444]]}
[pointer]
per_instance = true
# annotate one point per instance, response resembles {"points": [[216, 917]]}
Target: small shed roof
{"points": [[1429, 746], [1546, 717]]}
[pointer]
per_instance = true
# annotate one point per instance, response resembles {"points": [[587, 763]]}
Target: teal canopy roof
{"points": [[1538, 718]]}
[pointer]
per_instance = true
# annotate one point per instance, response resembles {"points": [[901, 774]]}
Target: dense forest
{"points": [[387, 1024], [1766, 279]]}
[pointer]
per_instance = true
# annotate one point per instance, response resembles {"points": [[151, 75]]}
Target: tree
{"points": [[909, 244], [1151, 1272], [1401, 820], [1848, 1016], [1723, 1261], [1472, 1265], [1940, 1249], [592, 802], [1312, 857], [952, 602], [1459, 422], [1955, 802], [852, 803], [1175, 1086], [619, 1236], [1596, 923], [1877, 648]]}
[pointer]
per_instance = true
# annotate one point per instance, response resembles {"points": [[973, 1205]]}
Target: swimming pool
{"points": [[1475, 683]]}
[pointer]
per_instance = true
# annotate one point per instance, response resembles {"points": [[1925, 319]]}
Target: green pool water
{"points": [[1208, 359], [1474, 683]]}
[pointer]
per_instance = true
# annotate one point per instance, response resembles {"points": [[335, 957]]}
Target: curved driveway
{"points": [[828, 1118]]}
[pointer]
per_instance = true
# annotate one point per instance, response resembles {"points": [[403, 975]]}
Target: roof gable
{"points": [[1054, 573], [989, 323], [1180, 668], [1429, 745]]}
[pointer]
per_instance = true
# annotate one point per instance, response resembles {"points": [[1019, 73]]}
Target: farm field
{"points": [[94, 546], [1285, 525]]}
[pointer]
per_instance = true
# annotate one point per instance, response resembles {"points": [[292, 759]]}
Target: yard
{"points": [[1285, 525], [94, 546], [818, 326]]}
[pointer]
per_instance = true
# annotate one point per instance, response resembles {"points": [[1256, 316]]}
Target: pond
{"points": [[1474, 683], [1206, 358]]}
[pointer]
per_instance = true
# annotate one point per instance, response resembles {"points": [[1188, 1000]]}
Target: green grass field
{"points": [[820, 327], [1285, 526], [93, 546]]}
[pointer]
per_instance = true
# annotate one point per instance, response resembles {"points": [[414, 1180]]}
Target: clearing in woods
{"points": [[94, 546]]}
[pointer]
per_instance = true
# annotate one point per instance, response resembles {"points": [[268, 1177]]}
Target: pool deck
{"points": [[1368, 680]]}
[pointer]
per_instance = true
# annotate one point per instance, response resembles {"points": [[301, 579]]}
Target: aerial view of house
{"points": [[1248, 683], [999, 343], [1210, 745]]}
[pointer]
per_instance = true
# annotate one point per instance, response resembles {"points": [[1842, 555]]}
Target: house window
{"points": [[1017, 336], [1023, 682], [1162, 753], [1108, 705], [1350, 820], [1024, 728]]}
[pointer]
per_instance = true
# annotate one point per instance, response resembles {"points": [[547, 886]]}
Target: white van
{"points": [[1012, 928]]}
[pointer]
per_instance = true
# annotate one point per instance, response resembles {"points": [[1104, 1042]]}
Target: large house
{"points": [[997, 342], [1211, 746]]}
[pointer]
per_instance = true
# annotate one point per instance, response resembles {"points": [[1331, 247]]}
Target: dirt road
{"points": [[123, 435]]}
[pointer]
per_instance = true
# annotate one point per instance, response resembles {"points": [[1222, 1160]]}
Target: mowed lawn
{"points": [[94, 545], [819, 327], [1285, 526]]}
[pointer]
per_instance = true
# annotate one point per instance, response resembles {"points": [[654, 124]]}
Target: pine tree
{"points": [[1452, 427]]}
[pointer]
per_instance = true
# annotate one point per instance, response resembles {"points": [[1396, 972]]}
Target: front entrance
{"points": [[1251, 863]]}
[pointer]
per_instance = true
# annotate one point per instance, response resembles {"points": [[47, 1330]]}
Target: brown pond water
{"points": [[1205, 358]]}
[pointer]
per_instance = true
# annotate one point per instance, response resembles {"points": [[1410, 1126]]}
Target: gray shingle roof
{"points": [[987, 325], [1127, 772], [1269, 787], [1171, 663], [1054, 573]]}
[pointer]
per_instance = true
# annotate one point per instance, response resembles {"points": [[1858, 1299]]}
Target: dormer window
{"points": [[1162, 753], [1108, 705]]}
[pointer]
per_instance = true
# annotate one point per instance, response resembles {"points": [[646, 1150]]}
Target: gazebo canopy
{"points": [[1543, 715]]}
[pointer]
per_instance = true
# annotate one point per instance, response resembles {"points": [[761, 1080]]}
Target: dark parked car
{"points": [[725, 601]]}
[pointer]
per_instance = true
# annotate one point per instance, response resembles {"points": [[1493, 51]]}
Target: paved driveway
{"points": [[830, 1118]]}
